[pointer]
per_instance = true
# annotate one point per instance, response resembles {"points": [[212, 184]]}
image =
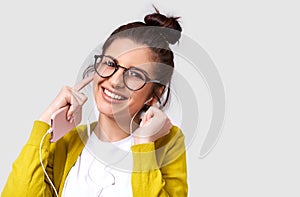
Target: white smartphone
{"points": [[59, 123]]}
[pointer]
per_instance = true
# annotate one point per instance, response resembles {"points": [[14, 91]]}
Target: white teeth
{"points": [[112, 95]]}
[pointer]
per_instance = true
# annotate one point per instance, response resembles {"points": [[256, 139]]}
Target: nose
{"points": [[116, 80]]}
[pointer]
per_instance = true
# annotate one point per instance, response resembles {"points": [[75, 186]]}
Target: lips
{"points": [[114, 95]]}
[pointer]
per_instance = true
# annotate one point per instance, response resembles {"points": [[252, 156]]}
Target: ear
{"points": [[157, 93], [160, 90], [153, 102]]}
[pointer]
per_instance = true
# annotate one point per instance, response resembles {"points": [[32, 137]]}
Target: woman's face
{"points": [[112, 97]]}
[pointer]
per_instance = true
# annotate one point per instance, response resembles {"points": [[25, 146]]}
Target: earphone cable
{"points": [[108, 165], [41, 161], [130, 127]]}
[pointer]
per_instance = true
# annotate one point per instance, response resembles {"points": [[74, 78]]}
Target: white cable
{"points": [[130, 127], [41, 160], [108, 165]]}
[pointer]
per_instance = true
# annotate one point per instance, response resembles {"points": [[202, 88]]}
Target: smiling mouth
{"points": [[113, 95]]}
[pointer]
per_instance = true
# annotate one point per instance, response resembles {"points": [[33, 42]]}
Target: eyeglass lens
{"points": [[133, 78]]}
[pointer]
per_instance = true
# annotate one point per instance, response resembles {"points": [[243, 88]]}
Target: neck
{"points": [[111, 129]]}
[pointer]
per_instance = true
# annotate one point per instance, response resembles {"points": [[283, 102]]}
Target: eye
{"points": [[136, 74], [109, 63]]}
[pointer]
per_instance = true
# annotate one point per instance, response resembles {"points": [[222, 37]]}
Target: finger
{"points": [[73, 107], [147, 117], [144, 120], [81, 98], [77, 100], [169, 124], [83, 83], [63, 98], [154, 104], [77, 116]]}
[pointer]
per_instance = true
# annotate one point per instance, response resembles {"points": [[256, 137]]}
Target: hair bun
{"points": [[169, 23]]}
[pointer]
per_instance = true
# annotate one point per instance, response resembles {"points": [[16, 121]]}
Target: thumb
{"points": [[146, 119]]}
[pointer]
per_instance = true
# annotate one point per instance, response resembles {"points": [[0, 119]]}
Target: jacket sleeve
{"points": [[160, 170], [27, 176]]}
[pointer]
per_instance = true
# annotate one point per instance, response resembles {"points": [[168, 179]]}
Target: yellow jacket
{"points": [[159, 168]]}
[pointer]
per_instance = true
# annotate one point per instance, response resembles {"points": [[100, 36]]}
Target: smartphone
{"points": [[59, 123]]}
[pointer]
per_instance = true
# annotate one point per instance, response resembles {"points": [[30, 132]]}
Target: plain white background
{"points": [[254, 44]]}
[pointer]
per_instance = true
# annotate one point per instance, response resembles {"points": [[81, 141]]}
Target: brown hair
{"points": [[157, 32]]}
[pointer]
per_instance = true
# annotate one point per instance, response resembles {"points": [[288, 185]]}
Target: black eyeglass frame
{"points": [[117, 66]]}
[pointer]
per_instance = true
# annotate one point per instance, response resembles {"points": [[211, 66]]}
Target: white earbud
{"points": [[150, 99]]}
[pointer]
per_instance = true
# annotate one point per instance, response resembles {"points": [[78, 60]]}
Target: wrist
{"points": [[138, 140], [46, 117]]}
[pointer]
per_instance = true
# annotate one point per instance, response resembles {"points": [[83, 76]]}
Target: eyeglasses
{"points": [[133, 78]]}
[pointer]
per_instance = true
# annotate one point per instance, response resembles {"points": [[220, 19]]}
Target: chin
{"points": [[118, 111]]}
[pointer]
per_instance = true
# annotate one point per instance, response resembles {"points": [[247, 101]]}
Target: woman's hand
{"points": [[66, 96], [154, 125]]}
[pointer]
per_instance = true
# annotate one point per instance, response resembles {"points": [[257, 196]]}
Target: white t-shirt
{"points": [[103, 169]]}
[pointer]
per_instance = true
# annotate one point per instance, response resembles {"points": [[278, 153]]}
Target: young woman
{"points": [[129, 77]]}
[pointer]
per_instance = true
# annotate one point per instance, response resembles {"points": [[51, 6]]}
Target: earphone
{"points": [[147, 101]]}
